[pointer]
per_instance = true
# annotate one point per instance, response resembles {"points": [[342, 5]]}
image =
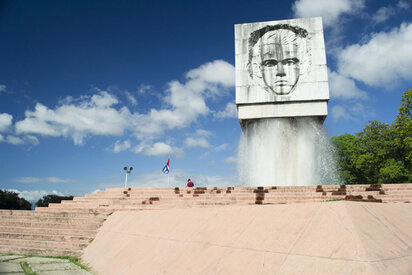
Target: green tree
{"points": [[44, 202], [347, 154], [380, 153], [375, 144], [403, 130], [11, 200]]}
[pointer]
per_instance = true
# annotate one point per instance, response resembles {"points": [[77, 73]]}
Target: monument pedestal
{"points": [[283, 109]]}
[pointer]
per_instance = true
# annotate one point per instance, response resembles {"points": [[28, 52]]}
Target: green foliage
{"points": [[381, 153], [403, 130], [44, 202], [27, 269], [11, 200]]}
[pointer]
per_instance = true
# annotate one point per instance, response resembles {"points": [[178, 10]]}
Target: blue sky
{"points": [[88, 87]]}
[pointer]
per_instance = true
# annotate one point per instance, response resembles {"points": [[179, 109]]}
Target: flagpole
{"points": [[168, 174]]}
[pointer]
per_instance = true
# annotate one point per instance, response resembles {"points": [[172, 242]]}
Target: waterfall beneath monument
{"points": [[286, 152]]}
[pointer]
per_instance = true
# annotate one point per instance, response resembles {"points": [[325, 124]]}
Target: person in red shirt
{"points": [[189, 183]]}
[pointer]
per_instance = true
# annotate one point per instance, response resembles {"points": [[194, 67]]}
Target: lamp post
{"points": [[127, 172]]}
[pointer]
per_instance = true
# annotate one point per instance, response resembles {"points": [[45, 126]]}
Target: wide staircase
{"points": [[66, 228]]}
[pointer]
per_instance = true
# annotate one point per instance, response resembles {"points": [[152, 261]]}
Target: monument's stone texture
{"points": [[281, 69]]}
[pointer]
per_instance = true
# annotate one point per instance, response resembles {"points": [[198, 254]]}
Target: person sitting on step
{"points": [[189, 183]]}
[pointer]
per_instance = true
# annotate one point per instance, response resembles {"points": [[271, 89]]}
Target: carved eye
{"points": [[269, 62], [290, 61]]}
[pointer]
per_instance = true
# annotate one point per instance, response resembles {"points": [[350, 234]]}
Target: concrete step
{"points": [[51, 231], [31, 213], [94, 211], [405, 200], [65, 220], [47, 229], [188, 200], [40, 251], [48, 237], [43, 243], [49, 225]]}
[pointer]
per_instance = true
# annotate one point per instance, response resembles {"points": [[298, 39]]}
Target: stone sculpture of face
{"points": [[279, 60]]}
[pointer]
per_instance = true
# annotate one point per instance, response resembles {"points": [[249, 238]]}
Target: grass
{"points": [[27, 269], [335, 200]]}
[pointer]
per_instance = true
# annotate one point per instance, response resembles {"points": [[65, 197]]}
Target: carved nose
{"points": [[280, 70]]}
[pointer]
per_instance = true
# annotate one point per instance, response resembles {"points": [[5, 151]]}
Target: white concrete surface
{"points": [[312, 238], [294, 109]]}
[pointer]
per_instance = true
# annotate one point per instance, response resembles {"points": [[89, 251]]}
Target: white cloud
{"points": [[1, 138], [383, 14], [5, 121], [143, 89], [31, 140], [185, 101], [215, 149], [230, 160], [330, 10], [204, 133], [131, 98], [34, 195], [28, 180], [14, 140], [220, 147], [2, 88], [27, 139], [196, 142], [217, 72], [229, 111], [99, 114], [92, 115], [121, 146], [339, 112], [57, 180], [384, 60], [343, 87], [158, 149], [403, 4], [38, 180], [351, 111]]}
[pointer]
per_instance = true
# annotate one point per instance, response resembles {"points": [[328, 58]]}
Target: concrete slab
{"points": [[4, 258], [312, 238], [10, 268], [39, 267], [40, 260]]}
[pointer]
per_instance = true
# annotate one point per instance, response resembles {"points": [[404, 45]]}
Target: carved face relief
{"points": [[276, 58], [279, 63]]}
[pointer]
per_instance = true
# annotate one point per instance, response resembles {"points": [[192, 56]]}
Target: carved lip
{"points": [[282, 83]]}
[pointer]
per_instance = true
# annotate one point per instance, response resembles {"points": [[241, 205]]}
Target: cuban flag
{"points": [[166, 168]]}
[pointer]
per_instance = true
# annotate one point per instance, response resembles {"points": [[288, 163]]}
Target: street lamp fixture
{"points": [[127, 172]]}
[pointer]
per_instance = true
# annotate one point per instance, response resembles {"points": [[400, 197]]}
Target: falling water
{"points": [[286, 152]]}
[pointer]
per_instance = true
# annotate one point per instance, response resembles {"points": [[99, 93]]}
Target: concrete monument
{"points": [[281, 69]]}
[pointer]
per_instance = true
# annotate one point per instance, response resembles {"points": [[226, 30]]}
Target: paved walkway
{"points": [[11, 265]]}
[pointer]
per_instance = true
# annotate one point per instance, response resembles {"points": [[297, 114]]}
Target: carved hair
{"points": [[283, 33]]}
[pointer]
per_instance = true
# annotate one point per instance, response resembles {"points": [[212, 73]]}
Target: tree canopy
{"points": [[11, 200], [44, 202], [380, 153]]}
